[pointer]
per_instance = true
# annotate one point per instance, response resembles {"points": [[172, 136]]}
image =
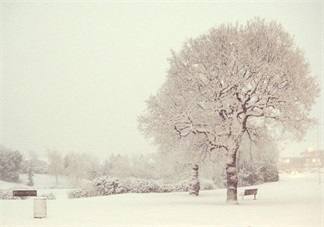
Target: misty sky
{"points": [[75, 75]]}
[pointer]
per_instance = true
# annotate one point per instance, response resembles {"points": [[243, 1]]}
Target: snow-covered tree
{"points": [[39, 166], [234, 81], [55, 163], [76, 169], [92, 165], [10, 164], [120, 166]]}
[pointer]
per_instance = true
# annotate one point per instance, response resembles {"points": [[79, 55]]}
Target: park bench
{"points": [[24, 193], [246, 192]]}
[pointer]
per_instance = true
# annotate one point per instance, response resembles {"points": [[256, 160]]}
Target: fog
{"points": [[75, 75]]}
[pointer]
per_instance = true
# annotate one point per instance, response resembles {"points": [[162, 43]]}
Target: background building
{"points": [[308, 160]]}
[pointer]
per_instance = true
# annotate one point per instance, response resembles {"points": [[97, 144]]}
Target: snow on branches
{"points": [[229, 83]]}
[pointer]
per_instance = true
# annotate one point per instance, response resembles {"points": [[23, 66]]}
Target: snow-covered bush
{"points": [[135, 185], [248, 175], [165, 188], [207, 185], [78, 193], [181, 186], [269, 173], [257, 173], [49, 196], [7, 195], [103, 186], [112, 185], [249, 178], [106, 186], [219, 181]]}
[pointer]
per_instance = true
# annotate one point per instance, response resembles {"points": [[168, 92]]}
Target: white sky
{"points": [[75, 74]]}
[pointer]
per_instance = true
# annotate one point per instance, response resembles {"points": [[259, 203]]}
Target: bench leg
{"points": [[254, 196]]}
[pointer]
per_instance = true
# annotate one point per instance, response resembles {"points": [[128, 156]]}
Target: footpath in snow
{"points": [[296, 200]]}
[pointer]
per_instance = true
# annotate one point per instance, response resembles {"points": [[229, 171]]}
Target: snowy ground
{"points": [[297, 200]]}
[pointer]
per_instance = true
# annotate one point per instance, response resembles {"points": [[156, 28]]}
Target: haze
{"points": [[75, 75]]}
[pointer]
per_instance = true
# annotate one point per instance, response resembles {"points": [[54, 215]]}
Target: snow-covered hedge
{"points": [[49, 196], [252, 175], [100, 187], [269, 173], [181, 186], [7, 195], [78, 193], [103, 186], [135, 185], [106, 186], [207, 185]]}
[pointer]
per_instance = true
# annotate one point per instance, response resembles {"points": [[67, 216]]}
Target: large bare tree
{"points": [[234, 81]]}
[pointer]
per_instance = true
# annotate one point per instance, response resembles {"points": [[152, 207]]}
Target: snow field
{"points": [[296, 200]]}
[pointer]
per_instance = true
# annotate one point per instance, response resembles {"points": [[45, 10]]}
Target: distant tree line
{"points": [[257, 164]]}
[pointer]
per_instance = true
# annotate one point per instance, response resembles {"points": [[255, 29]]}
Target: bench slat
{"points": [[253, 191], [250, 191], [24, 193]]}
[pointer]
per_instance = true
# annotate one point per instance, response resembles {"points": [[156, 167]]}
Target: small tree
{"points": [[231, 82], [30, 174]]}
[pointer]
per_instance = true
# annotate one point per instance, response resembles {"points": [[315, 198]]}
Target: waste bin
{"points": [[40, 207]]}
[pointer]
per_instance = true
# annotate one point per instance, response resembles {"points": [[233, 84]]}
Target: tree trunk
{"points": [[194, 185], [231, 182]]}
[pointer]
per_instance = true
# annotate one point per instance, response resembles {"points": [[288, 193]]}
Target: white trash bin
{"points": [[40, 207]]}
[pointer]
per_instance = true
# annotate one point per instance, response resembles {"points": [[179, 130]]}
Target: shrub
{"points": [[269, 173], [103, 186], [7, 195], [49, 196], [135, 185], [167, 188], [77, 193], [207, 185], [249, 176], [181, 186], [258, 173], [219, 181]]}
